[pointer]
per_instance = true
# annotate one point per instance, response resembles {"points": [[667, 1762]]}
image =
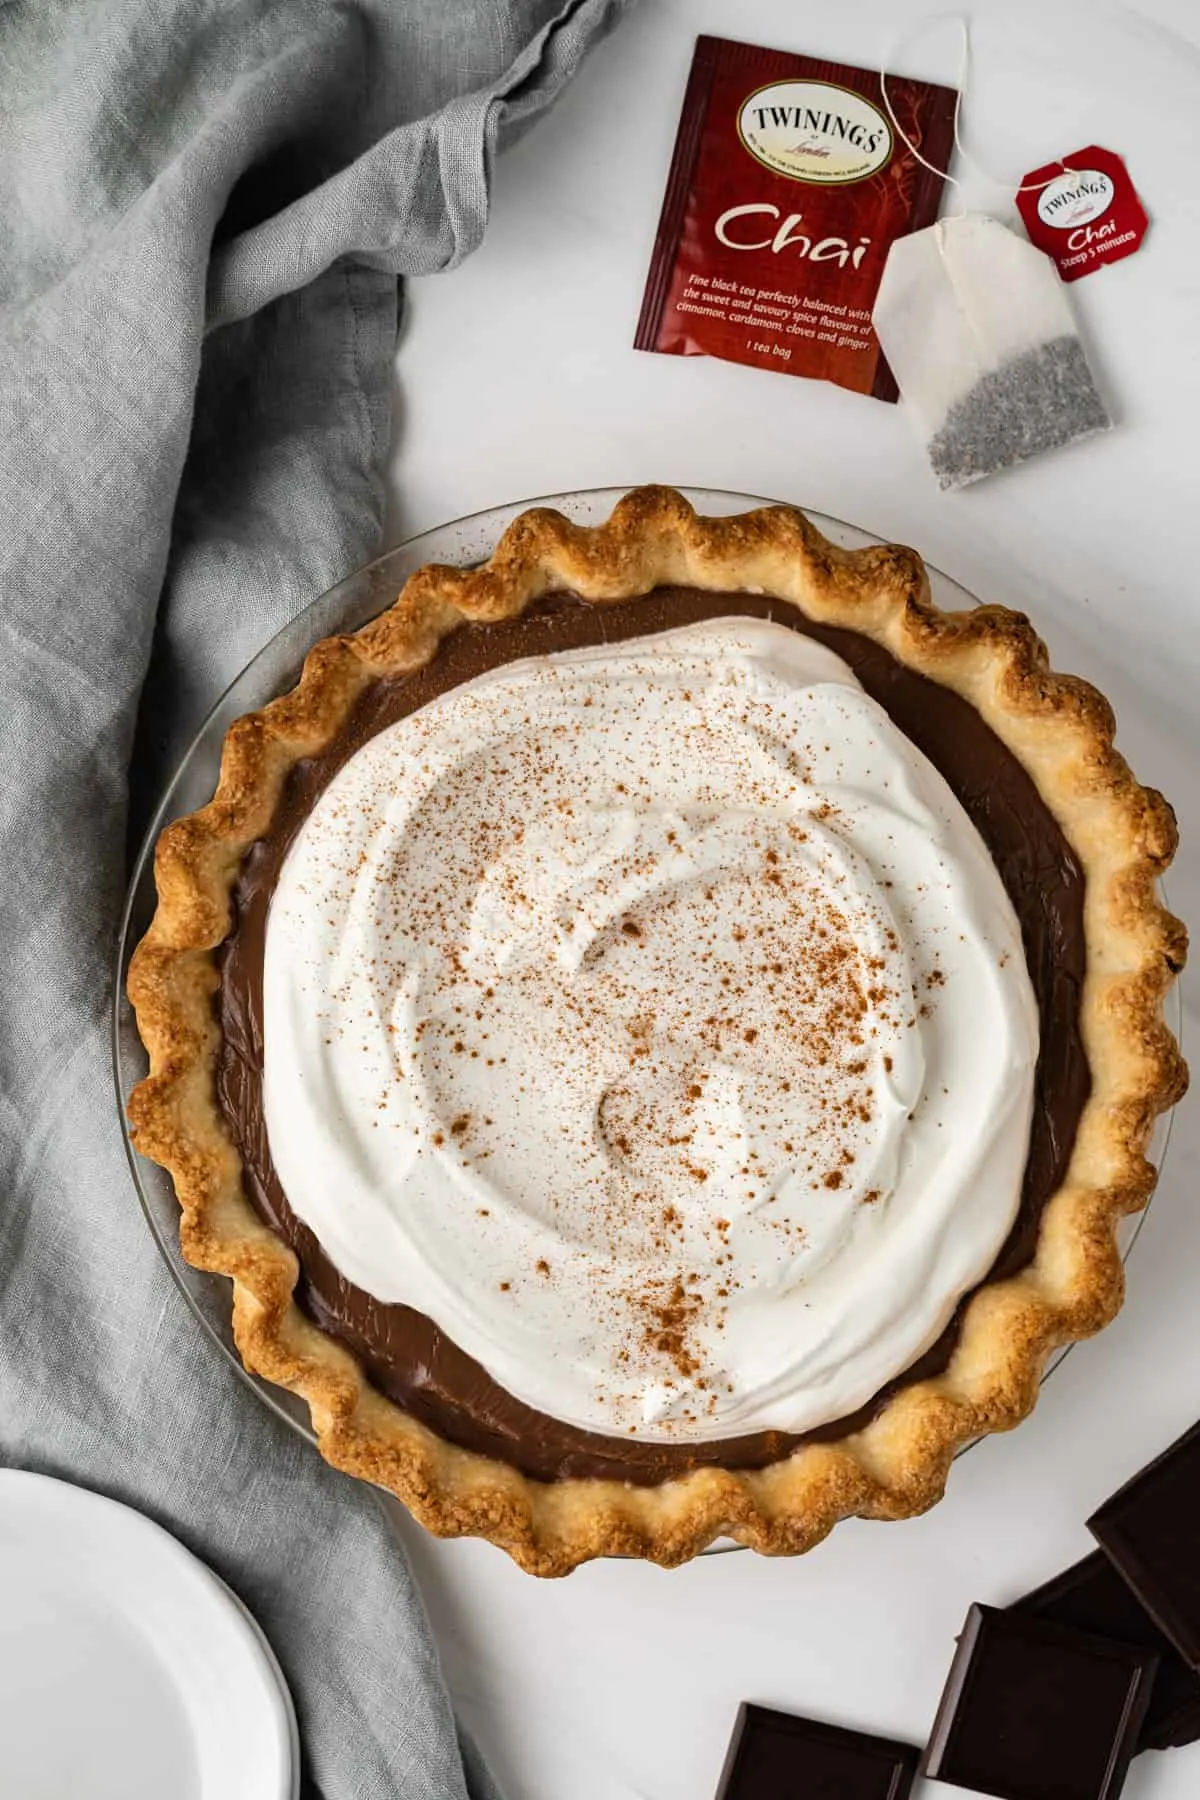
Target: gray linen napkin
{"points": [[203, 210]]}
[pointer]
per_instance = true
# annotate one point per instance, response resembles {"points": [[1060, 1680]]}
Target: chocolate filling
{"points": [[405, 1353]]}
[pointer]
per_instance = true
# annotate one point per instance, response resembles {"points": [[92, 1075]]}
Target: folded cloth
{"points": [[204, 208]]}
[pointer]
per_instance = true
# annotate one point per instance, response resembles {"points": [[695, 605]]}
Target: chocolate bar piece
{"points": [[1036, 1711], [1150, 1530], [777, 1756], [1091, 1596]]}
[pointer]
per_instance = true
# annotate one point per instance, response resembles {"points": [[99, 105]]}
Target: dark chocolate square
{"points": [[777, 1756], [1036, 1711], [1150, 1530], [1091, 1596]]}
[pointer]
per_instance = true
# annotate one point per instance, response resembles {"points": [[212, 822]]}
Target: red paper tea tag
{"points": [[1086, 214], [788, 186]]}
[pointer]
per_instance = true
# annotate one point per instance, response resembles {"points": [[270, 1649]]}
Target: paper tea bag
{"points": [[976, 326]]}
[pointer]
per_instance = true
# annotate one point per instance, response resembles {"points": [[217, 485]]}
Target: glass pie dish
{"points": [[350, 604]]}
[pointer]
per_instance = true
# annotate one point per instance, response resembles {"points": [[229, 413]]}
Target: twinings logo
{"points": [[814, 131], [1075, 199]]}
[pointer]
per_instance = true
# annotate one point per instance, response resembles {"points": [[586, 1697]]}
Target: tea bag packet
{"points": [[787, 184], [976, 326]]}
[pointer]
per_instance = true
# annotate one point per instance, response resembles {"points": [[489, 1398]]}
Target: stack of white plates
{"points": [[128, 1671]]}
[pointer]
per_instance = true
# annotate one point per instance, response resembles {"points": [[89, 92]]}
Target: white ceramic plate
{"points": [[128, 1671]]}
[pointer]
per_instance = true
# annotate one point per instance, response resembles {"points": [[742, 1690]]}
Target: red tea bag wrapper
{"points": [[1083, 211], [788, 186]]}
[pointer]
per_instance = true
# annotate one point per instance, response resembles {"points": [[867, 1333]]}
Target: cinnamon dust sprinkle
{"points": [[668, 1320]]}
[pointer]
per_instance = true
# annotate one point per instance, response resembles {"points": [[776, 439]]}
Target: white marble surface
{"points": [[515, 377]]}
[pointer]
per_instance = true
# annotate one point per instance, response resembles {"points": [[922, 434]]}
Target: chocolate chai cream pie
{"points": [[661, 1030]]}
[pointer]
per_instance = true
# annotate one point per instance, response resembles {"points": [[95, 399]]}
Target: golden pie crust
{"points": [[1058, 727]]}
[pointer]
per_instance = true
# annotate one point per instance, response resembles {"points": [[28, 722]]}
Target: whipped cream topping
{"points": [[652, 1017]]}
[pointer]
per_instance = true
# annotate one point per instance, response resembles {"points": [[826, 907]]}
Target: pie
{"points": [[661, 1029]]}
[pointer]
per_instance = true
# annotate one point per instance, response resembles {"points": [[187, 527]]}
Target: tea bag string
{"points": [[964, 75]]}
